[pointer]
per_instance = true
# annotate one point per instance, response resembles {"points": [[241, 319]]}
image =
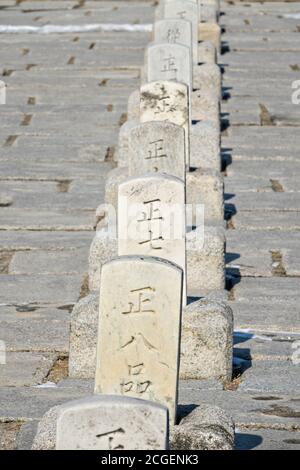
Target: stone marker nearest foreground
{"points": [[107, 422], [139, 330]]}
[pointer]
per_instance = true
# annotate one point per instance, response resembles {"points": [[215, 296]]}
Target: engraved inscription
{"points": [[134, 383], [181, 14], [173, 35], [169, 65], [152, 217], [111, 435], [141, 301], [156, 150]]}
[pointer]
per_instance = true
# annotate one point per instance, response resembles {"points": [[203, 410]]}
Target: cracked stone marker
{"points": [[151, 219], [112, 423], [140, 296], [156, 146], [167, 101], [176, 31]]}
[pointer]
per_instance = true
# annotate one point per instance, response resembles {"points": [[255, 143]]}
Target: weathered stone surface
{"points": [[114, 179], [167, 101], [103, 248], [205, 146], [262, 376], [156, 146], [35, 328], [205, 259], [202, 187], [206, 107], [45, 438], [25, 368], [188, 11], [176, 31], [48, 262], [83, 337], [132, 360], [123, 145], [2, 92], [205, 428], [49, 289], [133, 106], [252, 345], [107, 422], [5, 200], [207, 77], [210, 32], [170, 62], [206, 53], [206, 342], [151, 219], [206, 187], [266, 439]]}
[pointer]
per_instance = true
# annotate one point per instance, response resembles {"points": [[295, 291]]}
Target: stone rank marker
{"points": [[156, 146], [112, 423], [176, 31], [184, 10], [167, 101], [169, 61], [151, 219], [139, 330]]}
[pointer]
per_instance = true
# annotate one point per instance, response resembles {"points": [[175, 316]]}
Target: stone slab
{"points": [[111, 423]]}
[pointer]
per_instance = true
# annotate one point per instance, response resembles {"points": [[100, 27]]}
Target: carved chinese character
{"points": [[141, 298], [110, 436], [152, 217], [133, 383], [156, 150]]}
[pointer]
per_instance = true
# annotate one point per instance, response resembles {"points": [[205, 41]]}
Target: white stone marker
{"points": [[107, 422], [169, 61], [151, 219], [2, 93], [167, 101], [156, 146], [139, 330], [185, 10], [176, 31]]}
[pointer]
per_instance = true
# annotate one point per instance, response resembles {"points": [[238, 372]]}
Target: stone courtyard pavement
{"points": [[66, 99]]}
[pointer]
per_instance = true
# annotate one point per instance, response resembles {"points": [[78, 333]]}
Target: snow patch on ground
{"points": [[87, 28], [294, 16]]}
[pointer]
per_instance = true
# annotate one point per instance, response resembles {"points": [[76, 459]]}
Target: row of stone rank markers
{"points": [[157, 259]]}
